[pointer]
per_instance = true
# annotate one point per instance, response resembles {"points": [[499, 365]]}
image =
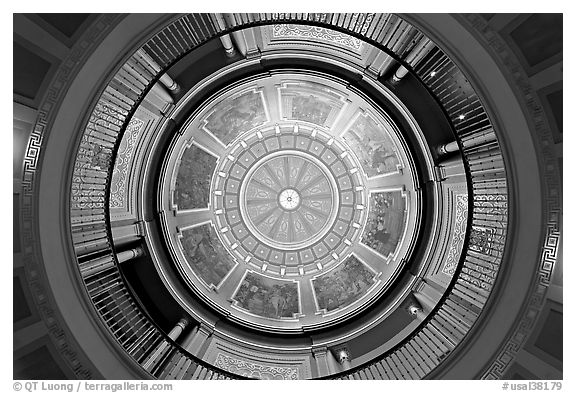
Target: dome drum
{"points": [[305, 265]]}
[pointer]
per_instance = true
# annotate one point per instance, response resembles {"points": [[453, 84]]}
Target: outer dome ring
{"points": [[314, 313]]}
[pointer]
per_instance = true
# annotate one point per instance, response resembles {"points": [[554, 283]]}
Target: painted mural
{"points": [[373, 146], [310, 109], [343, 285], [192, 189], [385, 223], [235, 116], [205, 254], [309, 102], [268, 297]]}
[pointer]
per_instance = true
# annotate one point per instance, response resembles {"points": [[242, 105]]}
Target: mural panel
{"points": [[386, 218], [373, 146], [268, 297], [205, 254], [309, 108], [234, 116], [310, 102], [192, 189], [343, 285]]}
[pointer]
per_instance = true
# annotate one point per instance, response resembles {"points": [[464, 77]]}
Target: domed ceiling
{"points": [[289, 202]]}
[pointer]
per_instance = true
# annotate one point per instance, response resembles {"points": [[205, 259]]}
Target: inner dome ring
{"points": [[251, 222]]}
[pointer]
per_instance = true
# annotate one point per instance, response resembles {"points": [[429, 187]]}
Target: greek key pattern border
{"points": [[552, 207], [31, 252]]}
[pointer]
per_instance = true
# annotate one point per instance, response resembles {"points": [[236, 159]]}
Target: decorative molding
{"points": [[32, 253], [458, 234], [254, 370], [551, 208], [119, 196], [285, 31], [326, 48], [315, 33], [240, 350]]}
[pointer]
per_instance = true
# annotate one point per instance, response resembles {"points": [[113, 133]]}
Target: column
{"points": [[160, 351], [251, 42], [178, 329], [130, 254], [165, 79], [225, 39], [244, 40], [98, 265], [447, 148], [227, 44], [169, 82], [401, 43], [240, 42], [321, 357], [414, 57]]}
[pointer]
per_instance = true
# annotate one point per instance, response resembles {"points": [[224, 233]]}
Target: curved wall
{"points": [[534, 209], [82, 333]]}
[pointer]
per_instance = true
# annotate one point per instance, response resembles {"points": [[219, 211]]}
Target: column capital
{"points": [[130, 254], [141, 227], [183, 322], [205, 329], [196, 338], [447, 148], [321, 350]]}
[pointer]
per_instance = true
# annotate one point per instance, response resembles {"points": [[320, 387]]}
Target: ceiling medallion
{"points": [[289, 199]]}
